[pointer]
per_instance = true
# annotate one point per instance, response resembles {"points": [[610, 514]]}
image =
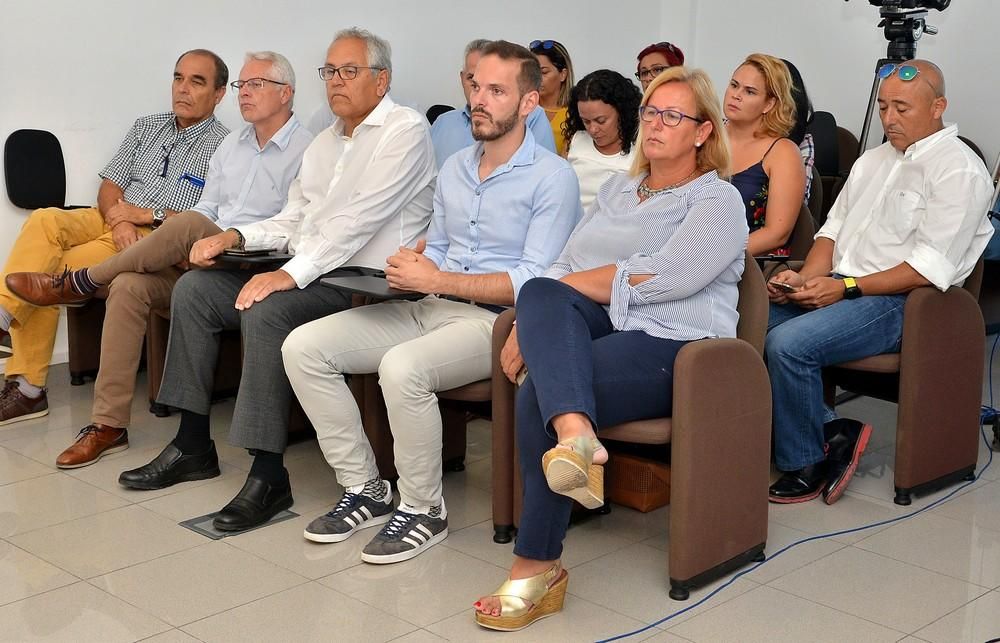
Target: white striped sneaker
{"points": [[353, 512], [405, 536]]}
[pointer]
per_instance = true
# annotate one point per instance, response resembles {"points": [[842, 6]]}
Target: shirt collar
{"points": [[193, 131], [281, 138], [525, 155], [375, 118], [921, 147], [467, 113]]}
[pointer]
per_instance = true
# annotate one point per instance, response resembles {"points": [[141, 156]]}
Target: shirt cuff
{"points": [[933, 266], [302, 270], [621, 294], [518, 276]]}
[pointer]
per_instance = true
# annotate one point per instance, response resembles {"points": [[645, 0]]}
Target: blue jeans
{"points": [[799, 344], [577, 363]]}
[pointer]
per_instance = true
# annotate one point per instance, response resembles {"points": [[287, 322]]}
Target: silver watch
{"points": [[159, 216]]}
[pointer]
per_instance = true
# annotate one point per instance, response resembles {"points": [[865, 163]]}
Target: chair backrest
{"points": [[974, 148], [753, 305], [823, 128], [436, 110], [847, 151], [802, 235], [816, 196], [34, 170]]}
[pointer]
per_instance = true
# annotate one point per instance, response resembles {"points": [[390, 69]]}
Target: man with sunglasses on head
{"points": [[911, 214], [503, 210], [365, 188], [248, 180], [159, 169], [452, 131]]}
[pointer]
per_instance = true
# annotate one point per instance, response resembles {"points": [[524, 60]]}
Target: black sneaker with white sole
{"points": [[353, 512], [405, 536]]}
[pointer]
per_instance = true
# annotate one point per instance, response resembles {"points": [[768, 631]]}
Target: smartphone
{"points": [[252, 251], [783, 286]]}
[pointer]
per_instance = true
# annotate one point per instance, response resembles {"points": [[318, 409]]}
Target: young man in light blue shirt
{"points": [[503, 210], [247, 181], [452, 130]]}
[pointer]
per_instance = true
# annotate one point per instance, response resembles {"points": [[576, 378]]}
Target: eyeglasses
{"points": [[905, 72], [253, 83], [346, 72], [543, 44], [670, 117], [652, 72]]}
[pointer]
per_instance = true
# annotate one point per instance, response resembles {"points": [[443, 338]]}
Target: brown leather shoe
{"points": [[93, 441], [16, 406], [43, 289]]}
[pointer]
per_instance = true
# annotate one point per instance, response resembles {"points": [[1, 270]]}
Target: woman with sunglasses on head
{"points": [[771, 178], [557, 80], [655, 59], [601, 126], [653, 266]]}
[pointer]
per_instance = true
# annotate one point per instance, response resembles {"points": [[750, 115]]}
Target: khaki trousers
{"points": [[141, 278], [417, 348], [50, 239]]}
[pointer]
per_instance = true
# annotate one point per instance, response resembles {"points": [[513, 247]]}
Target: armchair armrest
{"points": [[503, 432]]}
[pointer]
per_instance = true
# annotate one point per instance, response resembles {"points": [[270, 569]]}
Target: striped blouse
{"points": [[691, 239]]}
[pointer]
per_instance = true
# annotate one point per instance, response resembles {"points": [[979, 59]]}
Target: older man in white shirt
{"points": [[365, 188], [911, 214]]}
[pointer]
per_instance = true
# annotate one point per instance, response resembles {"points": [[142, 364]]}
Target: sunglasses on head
{"points": [[905, 72], [543, 44]]}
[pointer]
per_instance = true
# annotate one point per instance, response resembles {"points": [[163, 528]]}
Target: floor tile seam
{"points": [[985, 588], [63, 522], [840, 546], [715, 603], [376, 608], [141, 562], [252, 553], [75, 579], [840, 611], [171, 630], [952, 519], [119, 598], [262, 597], [944, 616], [261, 558]]}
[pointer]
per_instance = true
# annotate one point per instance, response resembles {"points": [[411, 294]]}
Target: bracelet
{"points": [[241, 242]]}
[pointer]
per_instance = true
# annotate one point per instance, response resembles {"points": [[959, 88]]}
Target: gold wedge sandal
{"points": [[570, 471], [524, 601]]}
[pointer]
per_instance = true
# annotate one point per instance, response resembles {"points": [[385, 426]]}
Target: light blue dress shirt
{"points": [[246, 183], [516, 221], [452, 131], [691, 239]]}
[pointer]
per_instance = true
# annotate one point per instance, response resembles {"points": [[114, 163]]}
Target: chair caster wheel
{"points": [[903, 498], [679, 593], [503, 534], [76, 380], [759, 558]]}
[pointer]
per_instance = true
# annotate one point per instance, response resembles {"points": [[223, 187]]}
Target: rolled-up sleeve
{"points": [[954, 213], [556, 211], [713, 234], [119, 168]]}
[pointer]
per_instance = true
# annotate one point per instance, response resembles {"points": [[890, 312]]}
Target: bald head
{"points": [[911, 110]]}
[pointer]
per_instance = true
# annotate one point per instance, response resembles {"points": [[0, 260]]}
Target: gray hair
{"points": [[279, 65], [379, 51], [479, 44]]}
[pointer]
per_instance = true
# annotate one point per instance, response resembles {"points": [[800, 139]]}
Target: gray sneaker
{"points": [[353, 512], [405, 536]]}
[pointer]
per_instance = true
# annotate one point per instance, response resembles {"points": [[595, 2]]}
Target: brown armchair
{"points": [[936, 380], [719, 439]]}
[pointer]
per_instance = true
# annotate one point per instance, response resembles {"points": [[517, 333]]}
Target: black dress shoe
{"points": [[845, 447], [171, 467], [799, 486], [256, 503]]}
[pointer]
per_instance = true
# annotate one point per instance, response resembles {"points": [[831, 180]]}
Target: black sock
{"points": [[193, 433], [269, 467], [81, 283]]}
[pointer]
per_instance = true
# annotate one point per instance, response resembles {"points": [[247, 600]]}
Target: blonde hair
{"points": [[780, 119], [714, 151]]}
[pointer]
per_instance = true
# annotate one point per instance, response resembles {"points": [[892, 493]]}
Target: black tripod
{"points": [[903, 28]]}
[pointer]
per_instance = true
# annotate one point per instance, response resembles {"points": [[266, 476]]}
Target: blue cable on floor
{"points": [[988, 414]]}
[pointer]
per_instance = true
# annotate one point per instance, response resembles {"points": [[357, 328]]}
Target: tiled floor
{"points": [[82, 559]]}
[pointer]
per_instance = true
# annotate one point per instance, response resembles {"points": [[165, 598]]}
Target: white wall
{"points": [[98, 66]]}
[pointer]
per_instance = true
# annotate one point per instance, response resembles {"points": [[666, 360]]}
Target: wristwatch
{"points": [[159, 216], [851, 289]]}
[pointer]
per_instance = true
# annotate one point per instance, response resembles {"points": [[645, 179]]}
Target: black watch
{"points": [[851, 289], [159, 216]]}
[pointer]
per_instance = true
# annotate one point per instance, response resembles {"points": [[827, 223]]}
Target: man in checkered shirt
{"points": [[159, 169]]}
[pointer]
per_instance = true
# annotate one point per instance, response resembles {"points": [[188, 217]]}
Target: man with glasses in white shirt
{"points": [[248, 180], [912, 214], [365, 188]]}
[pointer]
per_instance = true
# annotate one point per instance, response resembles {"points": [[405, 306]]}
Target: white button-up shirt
{"points": [[357, 198], [925, 206]]}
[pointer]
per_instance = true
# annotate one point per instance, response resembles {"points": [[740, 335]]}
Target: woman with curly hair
{"points": [[771, 177], [557, 79], [601, 126]]}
